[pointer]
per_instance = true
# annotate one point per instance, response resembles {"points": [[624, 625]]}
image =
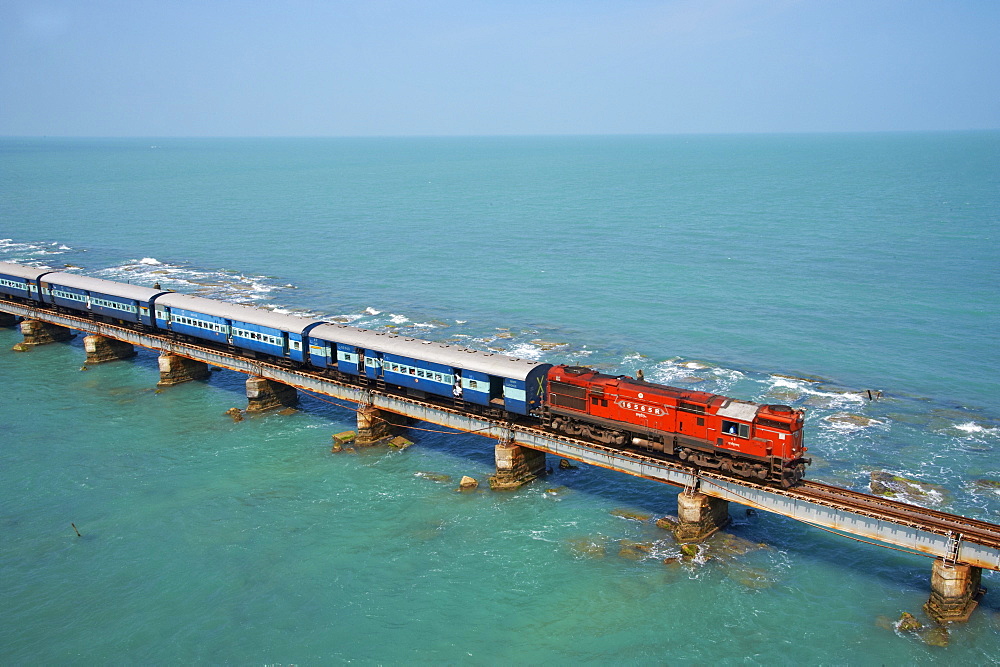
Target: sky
{"points": [[495, 67]]}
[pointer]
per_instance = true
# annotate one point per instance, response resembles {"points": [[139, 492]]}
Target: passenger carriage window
{"points": [[473, 384]]}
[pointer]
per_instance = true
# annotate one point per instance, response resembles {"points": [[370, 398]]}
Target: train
{"points": [[703, 430]]}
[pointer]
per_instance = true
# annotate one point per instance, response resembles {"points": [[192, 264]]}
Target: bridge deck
{"points": [[921, 530]]}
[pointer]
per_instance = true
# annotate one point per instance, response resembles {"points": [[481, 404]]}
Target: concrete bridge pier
{"points": [[699, 516], [175, 369], [8, 321], [264, 394], [955, 591], [376, 425], [516, 466], [37, 332], [101, 349]]}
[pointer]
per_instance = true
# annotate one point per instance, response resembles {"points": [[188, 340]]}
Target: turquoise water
{"points": [[795, 269]]}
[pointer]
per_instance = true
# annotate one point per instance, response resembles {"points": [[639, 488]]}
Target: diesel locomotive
{"points": [[703, 430]]}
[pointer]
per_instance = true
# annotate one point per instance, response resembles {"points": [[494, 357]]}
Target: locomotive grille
{"points": [[770, 423], [568, 396], [568, 389]]}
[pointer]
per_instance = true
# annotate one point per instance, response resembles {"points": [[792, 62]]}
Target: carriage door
{"points": [[372, 364], [496, 391]]}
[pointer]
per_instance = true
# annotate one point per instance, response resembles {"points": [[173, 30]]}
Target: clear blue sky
{"points": [[494, 67]]}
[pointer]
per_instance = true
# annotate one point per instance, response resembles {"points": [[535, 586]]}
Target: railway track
{"points": [[878, 507], [943, 523], [955, 528]]}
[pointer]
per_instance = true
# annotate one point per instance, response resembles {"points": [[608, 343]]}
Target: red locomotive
{"points": [[706, 430]]}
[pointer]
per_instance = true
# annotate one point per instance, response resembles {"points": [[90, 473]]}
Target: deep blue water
{"points": [[803, 269]]}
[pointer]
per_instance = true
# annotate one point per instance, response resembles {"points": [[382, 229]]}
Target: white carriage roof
{"points": [[111, 287], [739, 410], [22, 271], [414, 348], [233, 311], [436, 353]]}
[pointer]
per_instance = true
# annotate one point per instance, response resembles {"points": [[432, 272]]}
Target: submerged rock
{"points": [[726, 546], [632, 516], [547, 345], [884, 622], [399, 442], [854, 420], [434, 476], [783, 395], [936, 636], [235, 413], [887, 485], [634, 550], [985, 485], [564, 464], [800, 378], [667, 523], [908, 623], [341, 439], [468, 483], [590, 547], [752, 577]]}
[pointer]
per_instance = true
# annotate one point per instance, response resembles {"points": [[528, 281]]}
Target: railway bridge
{"points": [[961, 547]]}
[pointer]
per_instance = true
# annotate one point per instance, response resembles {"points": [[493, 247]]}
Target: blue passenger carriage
{"points": [[104, 298], [425, 367], [20, 282], [245, 327]]}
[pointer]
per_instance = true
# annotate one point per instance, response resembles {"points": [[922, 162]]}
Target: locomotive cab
{"points": [[781, 427]]}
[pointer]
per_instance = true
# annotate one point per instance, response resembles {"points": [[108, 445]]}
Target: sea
{"points": [[856, 276]]}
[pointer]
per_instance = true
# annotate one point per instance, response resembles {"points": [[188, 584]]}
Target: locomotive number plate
{"points": [[639, 407]]}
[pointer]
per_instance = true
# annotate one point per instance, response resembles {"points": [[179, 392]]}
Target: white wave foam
{"points": [[25, 252], [524, 351], [395, 319], [786, 383], [972, 428], [260, 288], [371, 311], [807, 388], [149, 261], [669, 372]]}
